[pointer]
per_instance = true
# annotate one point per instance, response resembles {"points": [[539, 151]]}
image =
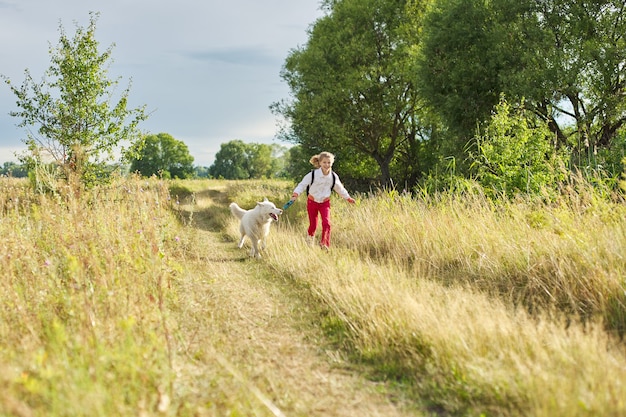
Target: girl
{"points": [[319, 184]]}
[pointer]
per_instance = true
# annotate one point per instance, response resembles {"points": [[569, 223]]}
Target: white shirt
{"points": [[320, 189]]}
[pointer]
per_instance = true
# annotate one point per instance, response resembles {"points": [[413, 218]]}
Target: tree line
{"points": [[74, 125], [405, 91], [512, 93]]}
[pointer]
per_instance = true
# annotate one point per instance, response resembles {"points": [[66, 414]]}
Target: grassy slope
{"points": [[117, 306], [137, 304]]}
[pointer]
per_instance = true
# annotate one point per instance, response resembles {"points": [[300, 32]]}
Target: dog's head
{"points": [[270, 209]]}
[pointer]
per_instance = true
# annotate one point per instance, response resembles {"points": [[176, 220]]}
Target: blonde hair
{"points": [[315, 159]]}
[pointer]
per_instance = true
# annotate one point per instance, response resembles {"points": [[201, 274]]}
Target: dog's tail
{"points": [[237, 211]]}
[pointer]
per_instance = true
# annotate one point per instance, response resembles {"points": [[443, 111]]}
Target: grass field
{"points": [[132, 299]]}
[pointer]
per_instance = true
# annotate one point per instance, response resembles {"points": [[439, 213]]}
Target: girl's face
{"points": [[326, 164]]}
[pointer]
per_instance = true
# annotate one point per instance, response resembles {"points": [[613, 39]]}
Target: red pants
{"points": [[323, 209]]}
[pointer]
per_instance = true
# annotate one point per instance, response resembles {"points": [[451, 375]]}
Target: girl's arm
{"points": [[341, 190]]}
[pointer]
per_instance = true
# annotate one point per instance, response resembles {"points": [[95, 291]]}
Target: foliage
{"points": [[163, 156], [201, 172], [514, 156], [353, 89], [230, 161], [405, 84], [77, 122], [12, 169], [622, 181], [238, 160], [565, 58]]}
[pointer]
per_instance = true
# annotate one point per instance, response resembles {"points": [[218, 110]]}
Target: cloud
{"points": [[7, 5], [208, 70], [248, 56], [10, 153]]}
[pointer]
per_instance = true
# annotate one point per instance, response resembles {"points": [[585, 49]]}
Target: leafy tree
{"points": [[297, 162], [259, 160], [238, 160], [71, 115], [231, 161], [280, 160], [201, 172], [13, 169], [566, 59], [162, 155], [516, 156], [584, 58], [463, 53], [353, 86]]}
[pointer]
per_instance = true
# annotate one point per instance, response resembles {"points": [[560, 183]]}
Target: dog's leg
{"points": [[243, 237], [255, 252]]}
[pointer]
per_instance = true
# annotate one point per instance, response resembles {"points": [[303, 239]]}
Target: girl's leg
{"points": [[324, 210], [312, 210]]}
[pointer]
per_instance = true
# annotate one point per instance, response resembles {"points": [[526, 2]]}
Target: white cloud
{"points": [[209, 70], [10, 153]]}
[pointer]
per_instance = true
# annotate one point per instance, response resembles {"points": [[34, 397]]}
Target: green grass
{"points": [[83, 299], [464, 307], [478, 307]]}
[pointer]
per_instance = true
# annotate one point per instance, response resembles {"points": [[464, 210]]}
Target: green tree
{"points": [[463, 53], [566, 59], [231, 161], [516, 153], [583, 57], [75, 119], [297, 162], [259, 160], [201, 172], [353, 86], [12, 169], [162, 155], [280, 160], [237, 160]]}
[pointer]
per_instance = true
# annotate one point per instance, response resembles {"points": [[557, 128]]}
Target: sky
{"points": [[207, 71]]}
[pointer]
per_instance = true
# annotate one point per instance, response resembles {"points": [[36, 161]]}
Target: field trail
{"points": [[247, 334]]}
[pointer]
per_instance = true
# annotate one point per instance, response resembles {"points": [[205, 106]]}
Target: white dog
{"points": [[255, 223]]}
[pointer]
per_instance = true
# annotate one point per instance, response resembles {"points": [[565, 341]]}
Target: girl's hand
{"points": [[350, 200]]}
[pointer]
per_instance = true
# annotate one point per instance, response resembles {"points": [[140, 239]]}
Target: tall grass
{"points": [[471, 307], [513, 308], [83, 327], [461, 352], [544, 257]]}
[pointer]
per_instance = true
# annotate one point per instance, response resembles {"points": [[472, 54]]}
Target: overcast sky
{"points": [[206, 70]]}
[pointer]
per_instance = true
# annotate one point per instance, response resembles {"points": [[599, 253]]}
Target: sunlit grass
{"points": [[90, 306], [538, 256], [83, 294], [508, 308], [107, 306]]}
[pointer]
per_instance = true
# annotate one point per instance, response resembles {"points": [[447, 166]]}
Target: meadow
{"points": [[132, 299]]}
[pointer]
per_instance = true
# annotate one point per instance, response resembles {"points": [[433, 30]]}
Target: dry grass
{"points": [[508, 309], [541, 257], [127, 301], [83, 293], [464, 352]]}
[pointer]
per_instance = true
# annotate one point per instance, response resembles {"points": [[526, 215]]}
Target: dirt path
{"points": [[249, 327]]}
